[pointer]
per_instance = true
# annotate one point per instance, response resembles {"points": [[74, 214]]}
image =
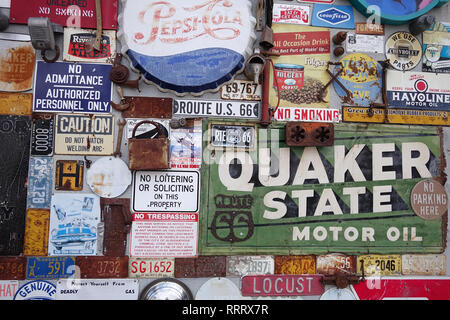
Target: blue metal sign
{"points": [[40, 182], [335, 16], [50, 267], [70, 87]]}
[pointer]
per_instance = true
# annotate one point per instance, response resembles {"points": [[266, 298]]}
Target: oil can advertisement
{"points": [[436, 48], [73, 224], [350, 197], [418, 90], [300, 72]]}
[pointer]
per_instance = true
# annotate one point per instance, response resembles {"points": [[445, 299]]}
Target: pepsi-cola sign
{"points": [[187, 46]]}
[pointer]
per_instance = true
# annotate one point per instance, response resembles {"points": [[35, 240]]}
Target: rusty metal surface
{"points": [[334, 263], [309, 134], [20, 104], [117, 218], [102, 267], [148, 107], [295, 264], [17, 61], [201, 267], [424, 264], [36, 232], [13, 268], [342, 280], [69, 175]]}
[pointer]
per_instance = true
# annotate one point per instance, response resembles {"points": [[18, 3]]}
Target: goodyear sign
{"points": [[351, 197]]}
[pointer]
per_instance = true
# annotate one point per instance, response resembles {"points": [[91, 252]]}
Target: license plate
{"points": [[201, 267], [385, 265], [238, 266], [238, 136], [102, 267], [282, 285], [241, 90], [295, 264], [40, 182], [12, 268], [151, 268], [69, 175], [330, 264], [19, 104], [424, 264], [42, 137], [50, 267], [36, 232]]}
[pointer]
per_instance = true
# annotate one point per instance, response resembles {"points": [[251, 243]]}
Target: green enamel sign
{"points": [[352, 197]]}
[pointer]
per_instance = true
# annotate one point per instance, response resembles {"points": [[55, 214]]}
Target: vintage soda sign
{"points": [[70, 87], [354, 195], [40, 182], [187, 46], [418, 90], [17, 60], [293, 14], [80, 14], [336, 16]]}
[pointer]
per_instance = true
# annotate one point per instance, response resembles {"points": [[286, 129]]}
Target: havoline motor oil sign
{"points": [[351, 197]]}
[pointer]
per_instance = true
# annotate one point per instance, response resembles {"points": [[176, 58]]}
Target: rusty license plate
{"points": [[151, 267], [102, 267], [330, 264], [148, 107], [201, 267], [424, 264], [241, 90], [19, 104], [69, 175], [37, 222], [295, 264], [13, 268], [309, 134], [238, 266], [384, 265], [282, 285]]}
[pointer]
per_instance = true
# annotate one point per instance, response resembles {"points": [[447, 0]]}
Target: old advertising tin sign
{"points": [[17, 60], [20, 104], [241, 90], [403, 50], [70, 87], [300, 70], [333, 263], [164, 235], [95, 289], [429, 199], [436, 48], [311, 200], [15, 134], [216, 108], [424, 264], [226, 135], [201, 267], [282, 285], [73, 224], [369, 28], [385, 265], [12, 268], [418, 90], [292, 14], [8, 289], [42, 134], [69, 175], [77, 134], [336, 16], [102, 267], [40, 182], [50, 267], [80, 14], [79, 45], [295, 264], [166, 191], [36, 290], [308, 114], [151, 267], [364, 43], [187, 46], [36, 232], [362, 76], [403, 288], [186, 146], [238, 266]]}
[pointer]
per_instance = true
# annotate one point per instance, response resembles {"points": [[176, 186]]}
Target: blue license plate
{"points": [[50, 267], [40, 182]]}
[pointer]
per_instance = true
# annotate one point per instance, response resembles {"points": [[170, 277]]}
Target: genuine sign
{"points": [[69, 87], [354, 195]]}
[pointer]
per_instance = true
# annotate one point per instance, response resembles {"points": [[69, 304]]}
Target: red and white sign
{"points": [[404, 288], [8, 289], [292, 14], [282, 285], [308, 114], [164, 235]]}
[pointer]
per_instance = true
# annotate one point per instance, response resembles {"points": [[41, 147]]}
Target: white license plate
{"points": [[241, 90]]}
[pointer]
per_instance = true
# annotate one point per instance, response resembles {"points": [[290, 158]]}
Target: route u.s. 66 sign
{"points": [[351, 197]]}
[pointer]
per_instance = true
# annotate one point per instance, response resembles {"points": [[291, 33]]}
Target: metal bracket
{"points": [[309, 134]]}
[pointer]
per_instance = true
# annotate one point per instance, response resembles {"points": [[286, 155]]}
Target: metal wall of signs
{"points": [[343, 195]]}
